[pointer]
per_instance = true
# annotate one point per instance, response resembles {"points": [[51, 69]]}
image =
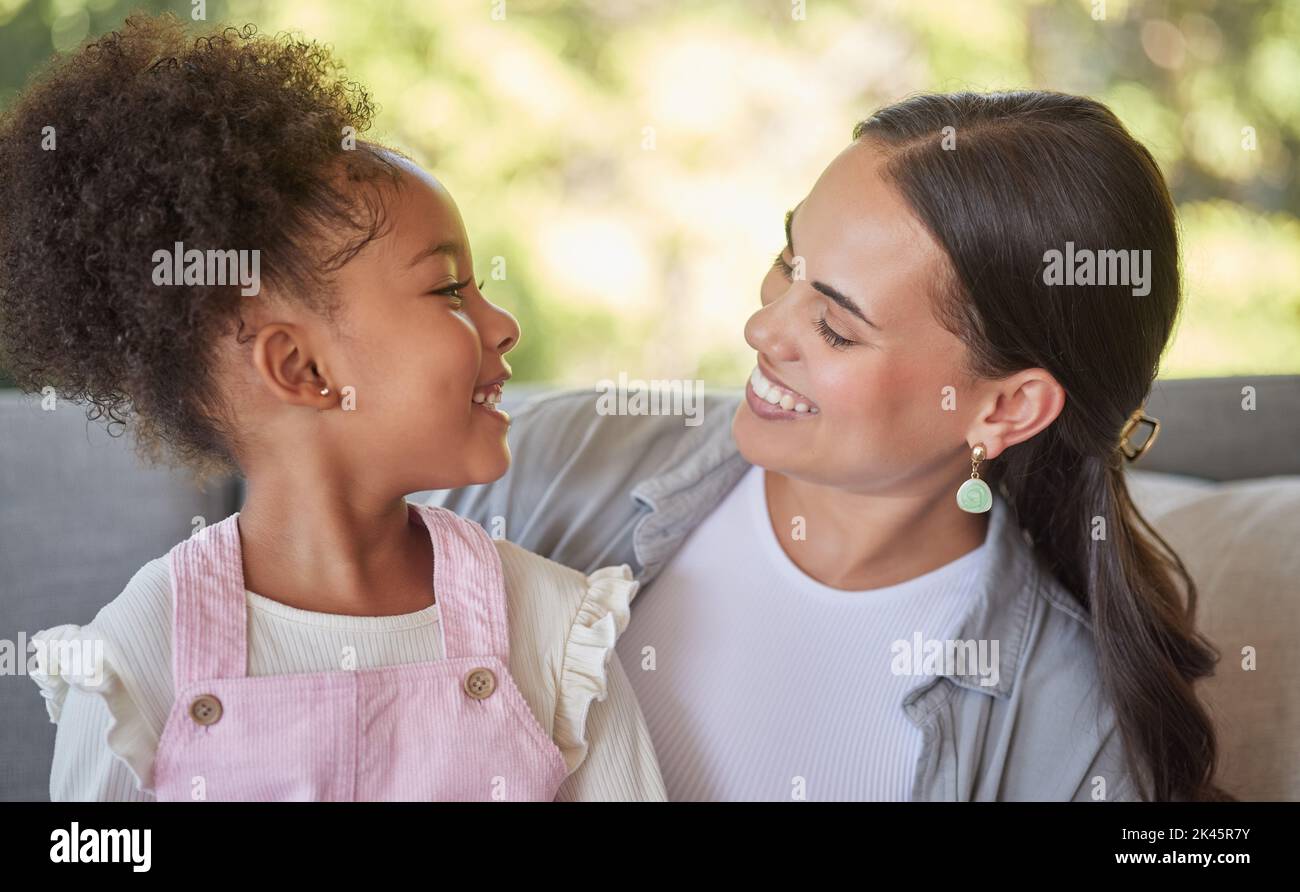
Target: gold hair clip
{"points": [[1138, 417]]}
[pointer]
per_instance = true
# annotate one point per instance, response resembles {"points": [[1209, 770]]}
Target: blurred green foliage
{"points": [[631, 160]]}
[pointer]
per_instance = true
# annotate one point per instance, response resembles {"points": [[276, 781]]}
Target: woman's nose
{"points": [[770, 332]]}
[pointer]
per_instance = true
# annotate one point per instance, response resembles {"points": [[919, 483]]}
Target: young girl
{"points": [[194, 241]]}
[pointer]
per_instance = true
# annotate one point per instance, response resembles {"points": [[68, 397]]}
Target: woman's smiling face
{"points": [[851, 361]]}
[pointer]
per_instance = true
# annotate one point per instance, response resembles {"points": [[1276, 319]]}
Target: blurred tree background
{"points": [[632, 159]]}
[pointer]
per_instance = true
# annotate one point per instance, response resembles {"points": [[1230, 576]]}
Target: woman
{"points": [[803, 559]]}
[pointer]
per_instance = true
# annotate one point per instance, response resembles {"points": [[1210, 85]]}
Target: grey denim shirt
{"points": [[591, 490]]}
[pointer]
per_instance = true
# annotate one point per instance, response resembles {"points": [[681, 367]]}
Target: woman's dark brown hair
{"points": [[146, 137], [1019, 174]]}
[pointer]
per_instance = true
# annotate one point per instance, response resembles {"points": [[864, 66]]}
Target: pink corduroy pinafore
{"points": [[455, 728]]}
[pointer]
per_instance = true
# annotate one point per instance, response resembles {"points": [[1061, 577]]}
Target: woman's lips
{"points": [[772, 400]]}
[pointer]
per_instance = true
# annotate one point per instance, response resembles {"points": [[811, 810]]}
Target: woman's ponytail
{"points": [[1143, 607]]}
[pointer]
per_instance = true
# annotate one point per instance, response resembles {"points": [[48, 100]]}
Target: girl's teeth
{"points": [[489, 397]]}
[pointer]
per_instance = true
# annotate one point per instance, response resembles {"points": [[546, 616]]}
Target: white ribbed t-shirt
{"points": [[769, 685]]}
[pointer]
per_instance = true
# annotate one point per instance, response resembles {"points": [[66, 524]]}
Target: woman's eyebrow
{"points": [[789, 220], [839, 298], [451, 248]]}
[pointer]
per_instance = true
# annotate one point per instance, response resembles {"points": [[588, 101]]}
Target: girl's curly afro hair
{"points": [[233, 140]]}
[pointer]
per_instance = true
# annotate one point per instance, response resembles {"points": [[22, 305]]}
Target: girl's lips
{"points": [[487, 397], [488, 393]]}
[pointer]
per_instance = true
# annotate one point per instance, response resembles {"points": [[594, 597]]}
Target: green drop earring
{"points": [[974, 494]]}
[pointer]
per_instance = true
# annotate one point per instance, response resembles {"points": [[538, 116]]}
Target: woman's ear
{"points": [[285, 364], [1023, 404]]}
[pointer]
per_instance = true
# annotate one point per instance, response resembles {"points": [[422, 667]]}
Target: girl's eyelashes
{"points": [[453, 291]]}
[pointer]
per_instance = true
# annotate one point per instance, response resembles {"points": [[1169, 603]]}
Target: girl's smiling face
{"points": [[413, 357], [432, 359], [851, 362]]}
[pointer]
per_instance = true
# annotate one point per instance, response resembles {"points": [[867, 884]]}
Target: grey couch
{"points": [[79, 515]]}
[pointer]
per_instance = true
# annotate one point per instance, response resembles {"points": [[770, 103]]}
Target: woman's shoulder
{"points": [[1060, 649], [1044, 633], [1065, 724], [557, 438]]}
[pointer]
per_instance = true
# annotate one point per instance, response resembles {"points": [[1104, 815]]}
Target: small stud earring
{"points": [[974, 494], [324, 391]]}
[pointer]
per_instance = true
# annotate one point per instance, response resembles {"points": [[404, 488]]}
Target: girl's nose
{"points": [[502, 331], [497, 327]]}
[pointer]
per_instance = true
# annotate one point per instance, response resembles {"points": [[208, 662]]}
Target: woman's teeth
{"points": [[779, 396]]}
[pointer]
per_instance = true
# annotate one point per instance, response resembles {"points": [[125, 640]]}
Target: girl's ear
{"points": [[287, 368]]}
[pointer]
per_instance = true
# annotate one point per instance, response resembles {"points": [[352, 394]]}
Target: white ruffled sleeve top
{"points": [[563, 628]]}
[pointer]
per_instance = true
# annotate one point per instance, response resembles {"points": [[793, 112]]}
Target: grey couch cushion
{"points": [[78, 516], [1205, 432]]}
